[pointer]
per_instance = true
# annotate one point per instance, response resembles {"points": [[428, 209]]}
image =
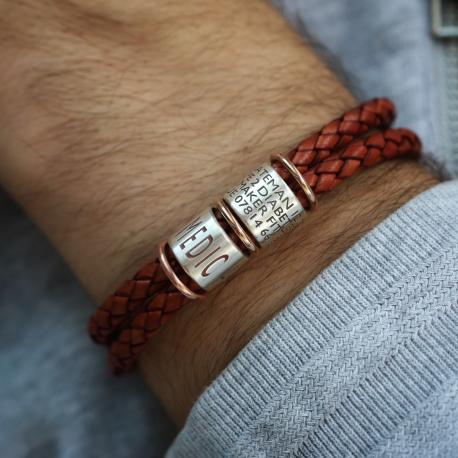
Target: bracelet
{"points": [[270, 201]]}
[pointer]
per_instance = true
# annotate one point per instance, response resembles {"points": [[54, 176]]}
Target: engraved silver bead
{"points": [[205, 252], [265, 204]]}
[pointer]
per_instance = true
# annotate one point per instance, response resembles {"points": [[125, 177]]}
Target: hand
{"points": [[121, 120]]}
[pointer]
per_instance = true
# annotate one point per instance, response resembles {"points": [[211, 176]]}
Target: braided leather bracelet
{"points": [[268, 202]]}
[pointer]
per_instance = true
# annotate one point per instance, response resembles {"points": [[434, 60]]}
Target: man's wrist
{"points": [[206, 336], [88, 139], [91, 130]]}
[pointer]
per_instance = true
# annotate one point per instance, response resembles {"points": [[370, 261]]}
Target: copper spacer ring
{"points": [[173, 277], [302, 182], [242, 234]]}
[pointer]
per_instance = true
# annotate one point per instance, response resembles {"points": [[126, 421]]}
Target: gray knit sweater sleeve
{"points": [[364, 362]]}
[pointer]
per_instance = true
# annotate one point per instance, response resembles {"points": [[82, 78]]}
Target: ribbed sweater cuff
{"points": [[331, 303]]}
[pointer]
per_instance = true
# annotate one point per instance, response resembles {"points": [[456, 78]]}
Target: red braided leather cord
{"points": [[129, 317], [377, 147], [373, 114], [323, 176], [118, 309], [326, 174], [150, 282]]}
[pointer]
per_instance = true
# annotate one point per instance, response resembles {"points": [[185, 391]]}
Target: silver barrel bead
{"points": [[205, 252], [265, 204]]}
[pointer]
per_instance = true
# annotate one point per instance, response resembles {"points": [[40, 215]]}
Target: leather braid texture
{"points": [[377, 147], [140, 306], [373, 114], [118, 308], [150, 288]]}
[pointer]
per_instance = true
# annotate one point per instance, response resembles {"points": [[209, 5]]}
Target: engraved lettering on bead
{"points": [[205, 252], [265, 204]]}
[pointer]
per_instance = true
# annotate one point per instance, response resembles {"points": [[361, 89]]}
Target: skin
{"points": [[119, 121]]}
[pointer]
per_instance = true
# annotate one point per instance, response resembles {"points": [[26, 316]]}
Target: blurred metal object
{"points": [[444, 16]]}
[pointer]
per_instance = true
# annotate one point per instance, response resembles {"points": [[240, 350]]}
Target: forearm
{"points": [[114, 134], [92, 114]]}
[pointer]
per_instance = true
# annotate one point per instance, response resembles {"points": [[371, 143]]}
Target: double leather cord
{"points": [[376, 113], [129, 317]]}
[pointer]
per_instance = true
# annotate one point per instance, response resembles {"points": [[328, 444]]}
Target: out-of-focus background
{"points": [[55, 402]]}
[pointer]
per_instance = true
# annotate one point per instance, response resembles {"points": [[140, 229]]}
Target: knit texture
{"points": [[350, 367]]}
